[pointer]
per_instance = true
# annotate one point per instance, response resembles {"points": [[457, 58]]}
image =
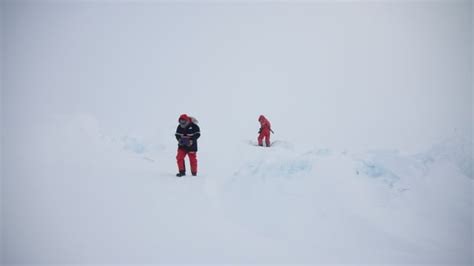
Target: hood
{"points": [[184, 117]]}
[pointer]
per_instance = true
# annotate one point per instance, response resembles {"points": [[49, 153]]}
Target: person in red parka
{"points": [[264, 132], [187, 135]]}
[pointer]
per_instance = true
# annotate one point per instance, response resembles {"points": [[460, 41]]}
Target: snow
{"points": [[110, 199], [371, 105]]}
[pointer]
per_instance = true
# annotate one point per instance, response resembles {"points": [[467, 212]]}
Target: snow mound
{"points": [[456, 150]]}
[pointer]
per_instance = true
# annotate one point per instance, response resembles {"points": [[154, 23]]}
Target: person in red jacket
{"points": [[264, 132], [187, 135]]}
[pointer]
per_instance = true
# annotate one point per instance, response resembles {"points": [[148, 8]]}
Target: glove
{"points": [[260, 131], [185, 142]]}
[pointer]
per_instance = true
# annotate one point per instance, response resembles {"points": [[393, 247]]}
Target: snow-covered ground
{"points": [[80, 195], [371, 104]]}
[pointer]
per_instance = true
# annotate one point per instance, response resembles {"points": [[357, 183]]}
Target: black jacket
{"points": [[190, 132]]}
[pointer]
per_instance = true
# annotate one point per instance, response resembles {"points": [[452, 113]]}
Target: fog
{"points": [[343, 75]]}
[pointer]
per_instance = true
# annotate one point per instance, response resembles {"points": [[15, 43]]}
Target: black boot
{"points": [[194, 174], [180, 174]]}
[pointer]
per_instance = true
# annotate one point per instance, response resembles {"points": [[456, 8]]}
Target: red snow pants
{"points": [[264, 134], [192, 159]]}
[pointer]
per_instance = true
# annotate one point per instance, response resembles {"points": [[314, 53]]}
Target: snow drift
{"points": [[103, 198]]}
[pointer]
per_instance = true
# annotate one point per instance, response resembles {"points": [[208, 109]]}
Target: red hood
{"points": [[184, 117], [264, 121]]}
